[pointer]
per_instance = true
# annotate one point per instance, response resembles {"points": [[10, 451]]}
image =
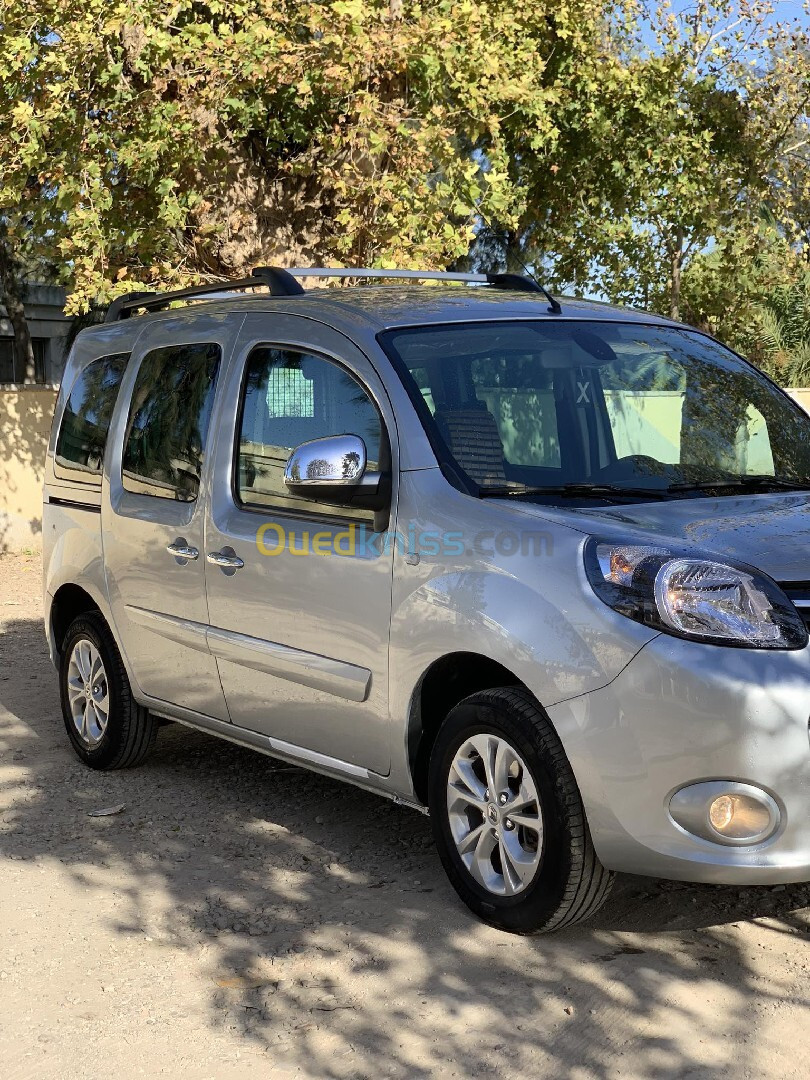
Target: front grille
{"points": [[799, 593]]}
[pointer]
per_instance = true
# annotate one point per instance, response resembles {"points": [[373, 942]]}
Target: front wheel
{"points": [[508, 818]]}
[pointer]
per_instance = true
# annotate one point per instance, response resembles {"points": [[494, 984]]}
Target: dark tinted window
{"points": [[7, 353], [291, 398], [168, 421], [13, 366], [86, 420]]}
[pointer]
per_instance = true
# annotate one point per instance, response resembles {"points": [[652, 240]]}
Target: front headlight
{"points": [[694, 597]]}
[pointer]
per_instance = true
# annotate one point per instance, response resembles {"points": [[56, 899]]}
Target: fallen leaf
{"points": [[240, 982]]}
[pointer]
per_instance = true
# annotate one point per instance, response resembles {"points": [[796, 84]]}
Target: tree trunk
{"points": [[11, 296], [25, 369], [676, 265]]}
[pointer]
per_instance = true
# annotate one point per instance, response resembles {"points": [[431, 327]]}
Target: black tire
{"points": [[130, 731], [569, 884]]}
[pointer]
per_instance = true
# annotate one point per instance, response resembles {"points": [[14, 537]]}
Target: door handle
{"points": [[226, 561], [181, 550]]}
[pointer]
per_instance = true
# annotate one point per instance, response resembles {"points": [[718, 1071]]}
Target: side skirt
{"points": [[295, 755]]}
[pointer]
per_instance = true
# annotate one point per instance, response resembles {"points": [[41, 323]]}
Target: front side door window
{"points": [[289, 398]]}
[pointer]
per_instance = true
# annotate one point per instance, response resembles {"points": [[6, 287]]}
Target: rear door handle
{"points": [[225, 560], [181, 550]]}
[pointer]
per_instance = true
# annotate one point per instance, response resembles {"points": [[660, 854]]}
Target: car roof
{"points": [[389, 307], [370, 309]]}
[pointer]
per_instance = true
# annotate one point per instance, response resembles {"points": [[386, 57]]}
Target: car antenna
{"points": [[553, 303]]}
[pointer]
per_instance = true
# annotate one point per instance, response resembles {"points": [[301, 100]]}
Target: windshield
{"points": [[530, 407]]}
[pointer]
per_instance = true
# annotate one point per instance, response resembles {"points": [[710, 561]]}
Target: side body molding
{"points": [[319, 672], [310, 669], [184, 631]]}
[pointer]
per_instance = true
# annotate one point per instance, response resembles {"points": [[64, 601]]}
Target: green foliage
{"points": [[148, 142], [761, 309], [779, 339], [701, 139]]}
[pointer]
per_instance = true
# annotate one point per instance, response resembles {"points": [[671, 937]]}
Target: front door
{"points": [[153, 520], [299, 592]]}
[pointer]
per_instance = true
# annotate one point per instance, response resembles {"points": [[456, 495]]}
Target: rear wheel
{"points": [[508, 818], [106, 726]]}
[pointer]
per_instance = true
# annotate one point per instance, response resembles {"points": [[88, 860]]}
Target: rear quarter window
{"points": [[82, 438]]}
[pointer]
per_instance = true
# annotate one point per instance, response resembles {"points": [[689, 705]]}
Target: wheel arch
{"points": [[69, 601], [447, 681]]}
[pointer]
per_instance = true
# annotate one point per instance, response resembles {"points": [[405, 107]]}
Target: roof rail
{"points": [[116, 309], [518, 282], [279, 282], [282, 283]]}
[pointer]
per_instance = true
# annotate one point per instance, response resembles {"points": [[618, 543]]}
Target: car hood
{"points": [[769, 531]]}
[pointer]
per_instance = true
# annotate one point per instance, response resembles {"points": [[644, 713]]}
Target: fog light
{"points": [[739, 817], [726, 812]]}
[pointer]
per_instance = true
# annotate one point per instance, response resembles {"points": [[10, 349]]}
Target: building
{"points": [[48, 327]]}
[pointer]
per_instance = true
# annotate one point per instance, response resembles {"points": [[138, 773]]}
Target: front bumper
{"points": [[681, 713]]}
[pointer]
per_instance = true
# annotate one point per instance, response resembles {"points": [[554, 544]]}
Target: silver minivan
{"points": [[537, 567]]}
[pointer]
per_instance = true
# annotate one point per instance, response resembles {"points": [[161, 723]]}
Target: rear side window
{"points": [[86, 420], [168, 421]]}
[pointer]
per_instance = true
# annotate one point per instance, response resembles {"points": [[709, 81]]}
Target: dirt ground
{"points": [[243, 918]]}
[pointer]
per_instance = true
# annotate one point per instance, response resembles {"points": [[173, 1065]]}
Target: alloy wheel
{"points": [[88, 692], [495, 814]]}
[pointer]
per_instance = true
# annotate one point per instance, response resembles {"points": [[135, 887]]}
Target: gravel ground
{"points": [[244, 918]]}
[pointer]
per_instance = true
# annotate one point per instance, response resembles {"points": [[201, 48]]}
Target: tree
{"points": [[154, 141], [767, 315], [704, 131], [148, 144], [782, 338]]}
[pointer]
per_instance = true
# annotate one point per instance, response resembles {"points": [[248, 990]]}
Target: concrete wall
{"points": [[25, 424]]}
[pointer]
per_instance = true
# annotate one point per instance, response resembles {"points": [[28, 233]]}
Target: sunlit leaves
{"points": [[145, 143], [704, 123], [180, 131]]}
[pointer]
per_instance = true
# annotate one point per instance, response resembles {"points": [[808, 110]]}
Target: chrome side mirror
{"points": [[333, 470], [336, 461]]}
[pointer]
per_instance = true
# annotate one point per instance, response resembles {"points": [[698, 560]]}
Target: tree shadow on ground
{"points": [[332, 939]]}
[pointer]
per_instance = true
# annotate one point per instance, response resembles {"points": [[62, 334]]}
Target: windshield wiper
{"points": [[746, 483], [572, 490]]}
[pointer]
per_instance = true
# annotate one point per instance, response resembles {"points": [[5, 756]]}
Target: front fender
{"points": [[481, 577], [554, 651]]}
